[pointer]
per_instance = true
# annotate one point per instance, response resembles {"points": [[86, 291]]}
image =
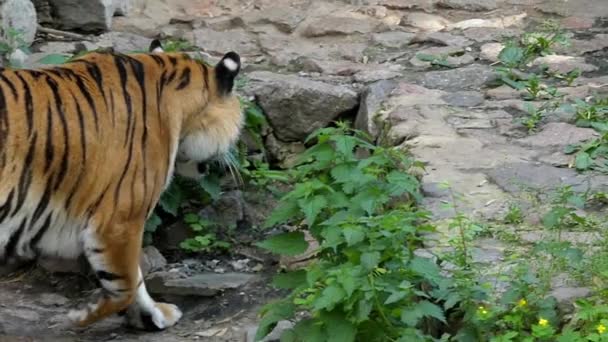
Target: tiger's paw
{"points": [[159, 317]]}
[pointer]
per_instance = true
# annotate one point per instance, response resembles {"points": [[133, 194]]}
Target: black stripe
{"points": [[104, 275], [45, 226], [6, 207], [87, 95], [29, 103], [10, 85], [9, 249], [25, 179], [172, 60], [63, 168], [158, 59], [4, 127], [42, 205], [122, 73], [184, 79], [50, 148]]}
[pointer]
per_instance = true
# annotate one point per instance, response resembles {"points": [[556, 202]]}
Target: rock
{"points": [[442, 38], [587, 238], [566, 296], [503, 92], [151, 260], [57, 47], [331, 26], [371, 103], [501, 22], [490, 51], [57, 265], [469, 5], [558, 135], [577, 23], [121, 7], [124, 42], [297, 106], [274, 335], [584, 8], [557, 159], [378, 12], [204, 284], [373, 75], [580, 47], [52, 299], [226, 211], [424, 21], [284, 18], [484, 34], [221, 42], [452, 55], [425, 5], [89, 16], [488, 251], [463, 98], [19, 15], [469, 77], [392, 39], [564, 64]]}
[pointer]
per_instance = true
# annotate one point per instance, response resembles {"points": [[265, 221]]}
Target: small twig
{"points": [[63, 33]]}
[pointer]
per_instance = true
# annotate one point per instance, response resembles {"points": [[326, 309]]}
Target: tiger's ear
{"points": [[225, 72], [156, 46]]}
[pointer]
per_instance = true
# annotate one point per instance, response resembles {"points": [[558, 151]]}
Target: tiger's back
{"points": [[87, 148]]}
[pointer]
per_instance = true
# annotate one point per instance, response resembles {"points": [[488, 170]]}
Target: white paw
{"points": [[162, 316], [171, 314], [77, 316]]}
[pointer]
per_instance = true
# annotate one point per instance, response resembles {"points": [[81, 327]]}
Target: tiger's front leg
{"points": [[113, 253]]}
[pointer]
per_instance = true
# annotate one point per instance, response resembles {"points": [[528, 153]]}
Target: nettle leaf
{"points": [[345, 144], [347, 278], [211, 184], [344, 173], [54, 59], [511, 55], [289, 244], [583, 161], [153, 223], [369, 260], [353, 234], [395, 297], [284, 212], [332, 237], [273, 313], [172, 198], [290, 280], [338, 328], [331, 295], [309, 331], [312, 207], [426, 268], [424, 308]]}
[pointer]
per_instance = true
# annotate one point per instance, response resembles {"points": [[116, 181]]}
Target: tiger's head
{"points": [[212, 118]]}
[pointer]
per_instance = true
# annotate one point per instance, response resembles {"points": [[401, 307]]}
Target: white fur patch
{"points": [[202, 146], [230, 64], [144, 303], [188, 169], [158, 50]]}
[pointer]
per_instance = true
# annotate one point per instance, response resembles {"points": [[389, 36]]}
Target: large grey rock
{"points": [[327, 26], [19, 15], [470, 77], [284, 18], [393, 39], [221, 42], [90, 15], [371, 104], [469, 5], [124, 42], [204, 284], [151, 260], [121, 7], [297, 106], [227, 211], [558, 135]]}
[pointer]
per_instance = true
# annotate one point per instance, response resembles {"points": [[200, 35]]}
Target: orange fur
{"points": [[86, 150]]}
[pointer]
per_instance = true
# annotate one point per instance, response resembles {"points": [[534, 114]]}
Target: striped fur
{"points": [[86, 149]]}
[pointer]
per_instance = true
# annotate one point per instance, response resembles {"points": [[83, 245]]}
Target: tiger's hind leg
{"points": [[115, 260]]}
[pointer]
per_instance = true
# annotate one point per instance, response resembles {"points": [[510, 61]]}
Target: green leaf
{"points": [[309, 331], [511, 55], [345, 144], [312, 207], [583, 161], [338, 328], [172, 198], [512, 83], [395, 297], [284, 212], [370, 260], [426, 268], [289, 244], [290, 280], [422, 309], [330, 296], [273, 313], [211, 184], [353, 235], [54, 58], [153, 223]]}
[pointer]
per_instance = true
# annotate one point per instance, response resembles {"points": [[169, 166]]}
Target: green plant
{"points": [[367, 282], [440, 61], [205, 239], [514, 215]]}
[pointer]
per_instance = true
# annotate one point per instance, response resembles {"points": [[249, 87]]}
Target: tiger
{"points": [[87, 148]]}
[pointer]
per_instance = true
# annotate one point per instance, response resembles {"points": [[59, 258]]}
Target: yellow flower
{"points": [[543, 322], [601, 328], [482, 310], [522, 302]]}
